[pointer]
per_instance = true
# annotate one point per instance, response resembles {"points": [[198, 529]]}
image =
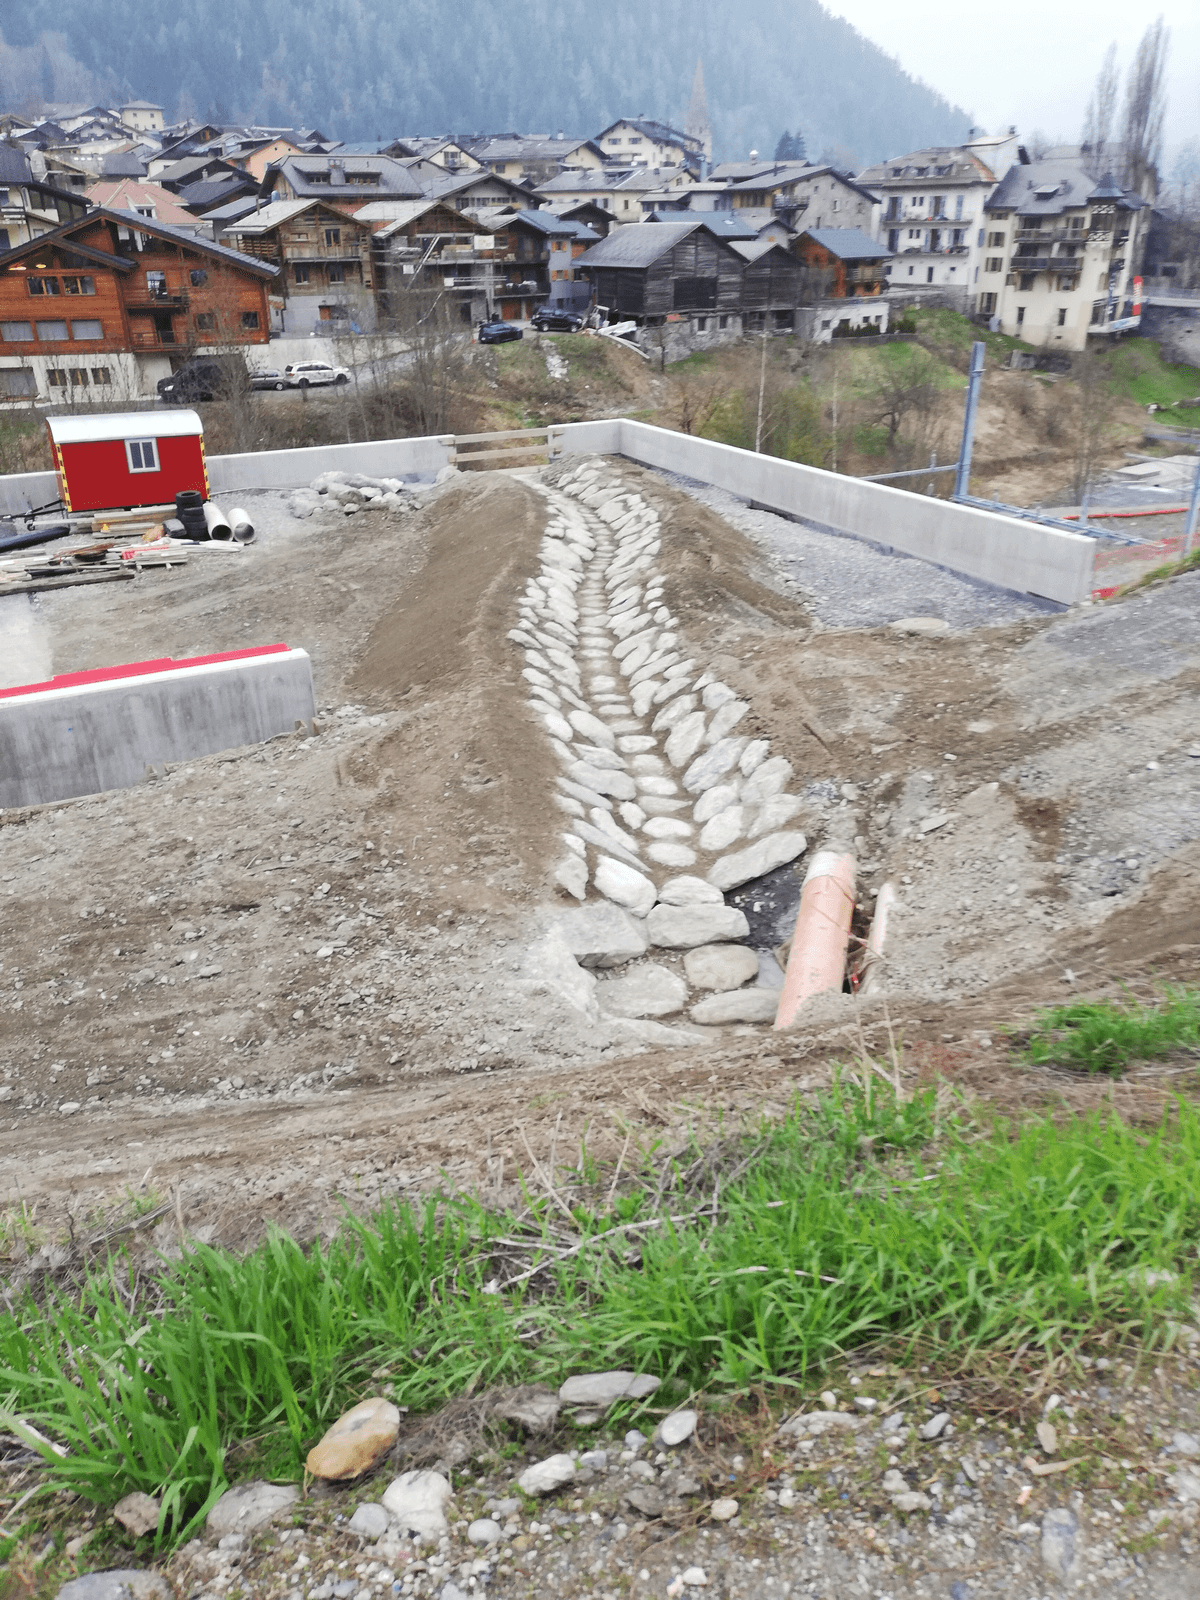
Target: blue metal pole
{"points": [[962, 478], [1189, 532]]}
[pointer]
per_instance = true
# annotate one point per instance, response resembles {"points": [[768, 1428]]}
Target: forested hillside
{"points": [[361, 68]]}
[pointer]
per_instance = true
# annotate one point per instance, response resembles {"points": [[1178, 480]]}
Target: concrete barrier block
{"points": [[85, 732]]}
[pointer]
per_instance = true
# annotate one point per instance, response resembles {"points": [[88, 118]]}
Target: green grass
{"points": [[1140, 374], [856, 1221], [1105, 1036]]}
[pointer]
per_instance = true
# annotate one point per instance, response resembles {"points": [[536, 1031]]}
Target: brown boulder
{"points": [[358, 1441]]}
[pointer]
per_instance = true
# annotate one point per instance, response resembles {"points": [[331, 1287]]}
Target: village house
{"points": [[448, 154], [145, 199], [533, 159], [345, 182], [30, 207], [592, 216], [773, 286], [143, 116], [476, 191], [102, 309], [822, 197], [620, 191], [641, 142], [326, 281], [662, 270], [423, 245], [847, 282], [1061, 253]]}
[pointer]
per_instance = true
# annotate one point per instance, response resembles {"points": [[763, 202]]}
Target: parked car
{"points": [[556, 319], [498, 332], [268, 378], [204, 378], [302, 374]]}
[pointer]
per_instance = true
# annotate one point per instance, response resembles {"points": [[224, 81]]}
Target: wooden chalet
{"points": [[654, 270]]}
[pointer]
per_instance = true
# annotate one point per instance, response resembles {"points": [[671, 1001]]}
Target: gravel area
{"points": [[848, 583]]}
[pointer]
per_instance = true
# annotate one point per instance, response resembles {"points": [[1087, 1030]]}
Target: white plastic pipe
{"points": [[243, 528], [818, 957], [214, 519], [871, 981]]}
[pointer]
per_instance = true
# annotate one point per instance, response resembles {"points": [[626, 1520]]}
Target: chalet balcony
{"points": [[1050, 235], [153, 339], [139, 300]]}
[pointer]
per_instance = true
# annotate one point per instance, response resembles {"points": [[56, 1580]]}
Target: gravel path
{"points": [[849, 583]]}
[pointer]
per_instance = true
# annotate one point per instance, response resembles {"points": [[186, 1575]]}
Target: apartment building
{"points": [[931, 214], [1060, 255]]}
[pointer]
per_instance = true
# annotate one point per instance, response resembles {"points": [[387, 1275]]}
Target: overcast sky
{"points": [[1028, 62]]}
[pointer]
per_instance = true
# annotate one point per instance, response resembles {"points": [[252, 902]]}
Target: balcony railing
{"points": [[152, 338], [139, 300]]}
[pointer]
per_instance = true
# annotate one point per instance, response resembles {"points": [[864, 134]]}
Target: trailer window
{"points": [[142, 455]]}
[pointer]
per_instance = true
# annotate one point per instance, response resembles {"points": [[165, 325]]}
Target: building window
{"points": [[301, 272], [250, 321], [142, 455], [625, 207], [332, 236], [1066, 283], [937, 205], [996, 241], [197, 277], [723, 322], [48, 332], [994, 264], [78, 377], [16, 332], [17, 381], [43, 286], [958, 205], [206, 321], [58, 380], [1020, 316], [928, 274], [337, 272], [156, 285], [86, 330], [987, 304], [75, 285], [1062, 316], [1027, 282], [101, 374]]}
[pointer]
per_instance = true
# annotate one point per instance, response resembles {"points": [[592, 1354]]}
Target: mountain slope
{"points": [[361, 68]]}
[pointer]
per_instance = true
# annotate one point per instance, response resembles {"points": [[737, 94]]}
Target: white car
{"points": [[305, 373]]}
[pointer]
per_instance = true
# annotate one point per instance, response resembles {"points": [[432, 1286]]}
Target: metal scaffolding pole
{"points": [[962, 481]]}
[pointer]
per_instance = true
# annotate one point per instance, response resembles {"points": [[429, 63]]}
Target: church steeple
{"points": [[696, 125]]}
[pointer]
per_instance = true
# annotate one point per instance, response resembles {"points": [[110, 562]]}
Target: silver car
{"points": [[302, 374]]}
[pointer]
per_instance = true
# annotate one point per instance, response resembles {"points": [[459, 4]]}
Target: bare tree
{"points": [[1145, 107], [1100, 121], [1084, 409]]}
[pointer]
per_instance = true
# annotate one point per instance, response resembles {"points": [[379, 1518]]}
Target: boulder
{"points": [[358, 1441], [684, 927], [370, 1520], [646, 991], [716, 761], [688, 891], [720, 966], [137, 1513], [677, 1427], [544, 1477], [532, 1405], [602, 1388], [120, 1583], [601, 935], [742, 1005], [623, 885], [416, 1502], [776, 850], [249, 1506]]}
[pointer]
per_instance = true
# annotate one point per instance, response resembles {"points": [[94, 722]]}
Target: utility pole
{"points": [[833, 464], [1189, 531], [762, 383], [962, 478]]}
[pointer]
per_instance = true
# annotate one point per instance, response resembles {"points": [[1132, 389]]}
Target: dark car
{"points": [[555, 319], [205, 378], [498, 332]]}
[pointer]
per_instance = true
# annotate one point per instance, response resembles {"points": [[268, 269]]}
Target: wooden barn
{"points": [[119, 460], [773, 285], [654, 269]]}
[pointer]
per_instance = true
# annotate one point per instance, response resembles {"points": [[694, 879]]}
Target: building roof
{"points": [[169, 423], [548, 223], [584, 179], [449, 183], [762, 173], [212, 191], [126, 194], [139, 105], [529, 147], [269, 216], [639, 244], [123, 164], [661, 132], [193, 241], [14, 165], [752, 249], [950, 163], [1061, 183], [846, 178], [847, 244], [192, 168], [312, 176], [231, 211]]}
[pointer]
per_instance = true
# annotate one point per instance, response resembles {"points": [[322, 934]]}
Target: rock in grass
{"points": [[723, 1510], [485, 1531], [416, 1501], [935, 1426], [533, 1405], [912, 1500], [249, 1506], [122, 1583], [673, 1430], [370, 1520], [137, 1513], [544, 1477], [358, 1441], [603, 1388]]}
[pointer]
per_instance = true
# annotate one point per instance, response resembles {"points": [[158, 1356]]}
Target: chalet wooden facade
{"points": [[658, 269], [100, 303], [774, 284], [324, 261], [855, 264]]}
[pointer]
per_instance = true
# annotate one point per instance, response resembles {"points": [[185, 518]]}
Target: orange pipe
{"points": [[818, 956]]}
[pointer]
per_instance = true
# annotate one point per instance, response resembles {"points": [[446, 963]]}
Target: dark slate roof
{"points": [[454, 182], [122, 164], [528, 147], [953, 163], [728, 225], [638, 244], [548, 223], [395, 181], [1061, 183], [14, 165], [187, 237], [660, 131], [232, 210], [190, 169], [847, 244], [213, 191]]}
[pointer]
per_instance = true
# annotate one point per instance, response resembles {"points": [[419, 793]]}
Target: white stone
{"points": [[674, 927], [739, 1005], [624, 886], [685, 891], [772, 814], [633, 744], [635, 659], [667, 828], [581, 792], [607, 825], [716, 761], [723, 1510], [720, 966], [558, 726], [769, 780], [716, 799], [646, 991], [934, 1427], [591, 728], [657, 805], [723, 829], [605, 842], [668, 853], [596, 756], [685, 738], [370, 1520], [544, 1477], [717, 694], [601, 935], [1062, 1543], [416, 1501], [912, 1500], [674, 1429], [571, 874], [618, 784], [631, 815], [675, 684], [649, 783], [763, 856], [670, 714], [753, 756], [602, 1388], [249, 1506], [693, 1578], [726, 719], [483, 1531], [642, 695]]}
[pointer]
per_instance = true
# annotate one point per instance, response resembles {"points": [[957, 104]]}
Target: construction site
{"points": [[462, 811]]}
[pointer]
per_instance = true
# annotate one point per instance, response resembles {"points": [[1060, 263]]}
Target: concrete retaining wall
{"points": [[72, 737], [1023, 556], [289, 469]]}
